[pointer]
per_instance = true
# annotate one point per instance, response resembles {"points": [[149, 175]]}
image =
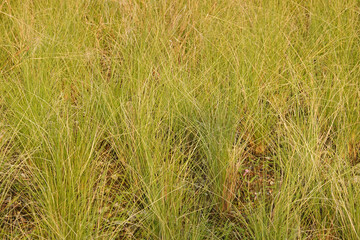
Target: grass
{"points": [[179, 119]]}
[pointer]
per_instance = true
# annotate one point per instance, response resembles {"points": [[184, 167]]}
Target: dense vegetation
{"points": [[186, 119]]}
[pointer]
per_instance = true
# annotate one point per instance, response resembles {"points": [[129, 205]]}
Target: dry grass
{"points": [[179, 119]]}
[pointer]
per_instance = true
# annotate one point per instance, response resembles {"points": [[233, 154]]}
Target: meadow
{"points": [[161, 119]]}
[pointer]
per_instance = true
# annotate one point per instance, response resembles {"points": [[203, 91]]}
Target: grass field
{"points": [[186, 119]]}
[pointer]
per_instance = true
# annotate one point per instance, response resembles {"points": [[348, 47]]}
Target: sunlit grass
{"points": [[179, 119]]}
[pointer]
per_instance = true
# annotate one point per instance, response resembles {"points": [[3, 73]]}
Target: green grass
{"points": [[179, 119]]}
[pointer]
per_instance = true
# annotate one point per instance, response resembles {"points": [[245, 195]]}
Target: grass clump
{"points": [[179, 119]]}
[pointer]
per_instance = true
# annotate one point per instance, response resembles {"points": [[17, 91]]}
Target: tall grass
{"points": [[179, 119]]}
